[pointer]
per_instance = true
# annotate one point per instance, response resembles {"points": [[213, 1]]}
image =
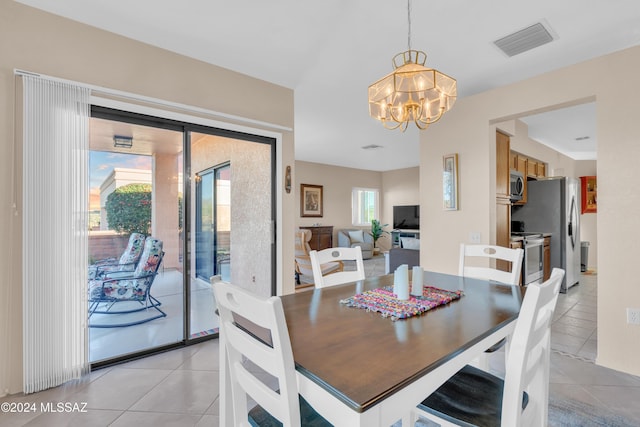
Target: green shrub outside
{"points": [[129, 209]]}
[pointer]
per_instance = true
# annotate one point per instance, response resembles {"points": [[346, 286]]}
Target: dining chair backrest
{"points": [[324, 256], [490, 252], [527, 367], [475, 396], [271, 351]]}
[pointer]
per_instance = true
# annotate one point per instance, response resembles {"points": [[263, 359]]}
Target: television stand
{"points": [[397, 234]]}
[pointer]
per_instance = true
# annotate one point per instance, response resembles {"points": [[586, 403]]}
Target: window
{"points": [[364, 205]]}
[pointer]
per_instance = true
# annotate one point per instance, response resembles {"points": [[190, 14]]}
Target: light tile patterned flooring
{"points": [[180, 387]]}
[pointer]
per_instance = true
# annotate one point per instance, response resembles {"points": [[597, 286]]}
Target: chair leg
{"points": [[150, 302]]}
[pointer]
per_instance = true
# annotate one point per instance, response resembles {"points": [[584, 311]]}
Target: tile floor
{"points": [[106, 343], [180, 387]]}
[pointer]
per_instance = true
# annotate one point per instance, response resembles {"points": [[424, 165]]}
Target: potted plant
{"points": [[377, 230]]}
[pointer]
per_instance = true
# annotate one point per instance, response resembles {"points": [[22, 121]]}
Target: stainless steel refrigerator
{"points": [[553, 207]]}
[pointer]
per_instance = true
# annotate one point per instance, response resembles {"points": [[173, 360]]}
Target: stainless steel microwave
{"points": [[516, 186]]}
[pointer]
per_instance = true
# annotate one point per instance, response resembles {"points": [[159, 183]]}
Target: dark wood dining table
{"points": [[358, 368]]}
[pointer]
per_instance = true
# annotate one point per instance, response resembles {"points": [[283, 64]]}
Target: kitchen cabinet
{"points": [[321, 237], [528, 166], [589, 192], [517, 245], [541, 170], [546, 257], [503, 228], [502, 165], [532, 168], [503, 200]]}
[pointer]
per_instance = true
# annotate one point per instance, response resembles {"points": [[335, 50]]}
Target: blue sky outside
{"points": [[101, 163]]}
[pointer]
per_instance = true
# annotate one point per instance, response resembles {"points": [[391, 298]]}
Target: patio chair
{"points": [[127, 261], [132, 292]]}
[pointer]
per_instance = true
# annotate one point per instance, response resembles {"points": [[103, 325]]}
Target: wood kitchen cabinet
{"points": [[589, 192], [503, 229], [528, 166], [503, 200], [541, 170], [517, 245], [546, 256], [503, 177], [321, 237]]}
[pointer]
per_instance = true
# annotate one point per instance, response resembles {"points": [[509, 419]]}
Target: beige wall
{"points": [[589, 221], [337, 183], [397, 187], [37, 41], [469, 130]]}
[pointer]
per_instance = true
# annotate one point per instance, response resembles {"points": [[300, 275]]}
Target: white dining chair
{"points": [[482, 253], [318, 258], [475, 397], [490, 252], [254, 329]]}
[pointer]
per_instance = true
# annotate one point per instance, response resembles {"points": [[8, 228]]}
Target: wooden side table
{"points": [[321, 237]]}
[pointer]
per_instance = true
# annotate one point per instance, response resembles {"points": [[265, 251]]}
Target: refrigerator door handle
{"points": [[572, 213]]}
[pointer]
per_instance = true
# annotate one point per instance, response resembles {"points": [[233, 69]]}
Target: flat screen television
{"points": [[406, 217]]}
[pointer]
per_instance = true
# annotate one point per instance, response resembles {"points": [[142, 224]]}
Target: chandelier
{"points": [[412, 92]]}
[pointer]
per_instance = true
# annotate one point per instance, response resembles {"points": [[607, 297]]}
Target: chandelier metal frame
{"points": [[412, 92]]}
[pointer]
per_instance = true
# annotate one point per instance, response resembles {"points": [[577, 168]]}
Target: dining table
{"points": [[357, 367]]}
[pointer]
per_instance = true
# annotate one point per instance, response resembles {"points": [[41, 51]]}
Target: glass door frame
{"points": [[213, 170], [187, 128]]}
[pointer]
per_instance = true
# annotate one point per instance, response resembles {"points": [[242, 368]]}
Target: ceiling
{"points": [[329, 51]]}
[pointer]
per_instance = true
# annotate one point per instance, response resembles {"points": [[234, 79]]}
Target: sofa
{"points": [[408, 253], [351, 238]]}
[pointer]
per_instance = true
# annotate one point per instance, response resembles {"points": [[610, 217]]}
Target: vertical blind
{"points": [[55, 232]]}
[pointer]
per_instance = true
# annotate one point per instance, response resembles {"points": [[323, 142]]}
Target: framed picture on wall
{"points": [[450, 182], [310, 200]]}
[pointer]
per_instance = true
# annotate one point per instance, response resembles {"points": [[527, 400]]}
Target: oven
{"points": [[533, 262]]}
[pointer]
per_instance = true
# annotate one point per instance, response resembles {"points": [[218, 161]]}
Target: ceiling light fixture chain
{"points": [[409, 24], [412, 92]]}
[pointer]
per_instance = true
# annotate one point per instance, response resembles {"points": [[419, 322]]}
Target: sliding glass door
{"points": [[135, 196], [207, 195], [213, 223], [232, 217]]}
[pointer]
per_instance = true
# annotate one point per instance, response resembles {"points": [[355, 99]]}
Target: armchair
{"points": [[127, 262], [132, 290], [351, 238], [303, 260]]}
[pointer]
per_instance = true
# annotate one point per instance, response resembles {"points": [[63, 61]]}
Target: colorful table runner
{"points": [[384, 301]]}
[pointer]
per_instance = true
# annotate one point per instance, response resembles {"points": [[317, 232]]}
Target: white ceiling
{"points": [[330, 51]]}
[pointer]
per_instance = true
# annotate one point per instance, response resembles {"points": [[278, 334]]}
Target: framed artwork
{"points": [[450, 182], [310, 200]]}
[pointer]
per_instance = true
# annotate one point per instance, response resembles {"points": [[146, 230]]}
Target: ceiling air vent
{"points": [[524, 40], [371, 147]]}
